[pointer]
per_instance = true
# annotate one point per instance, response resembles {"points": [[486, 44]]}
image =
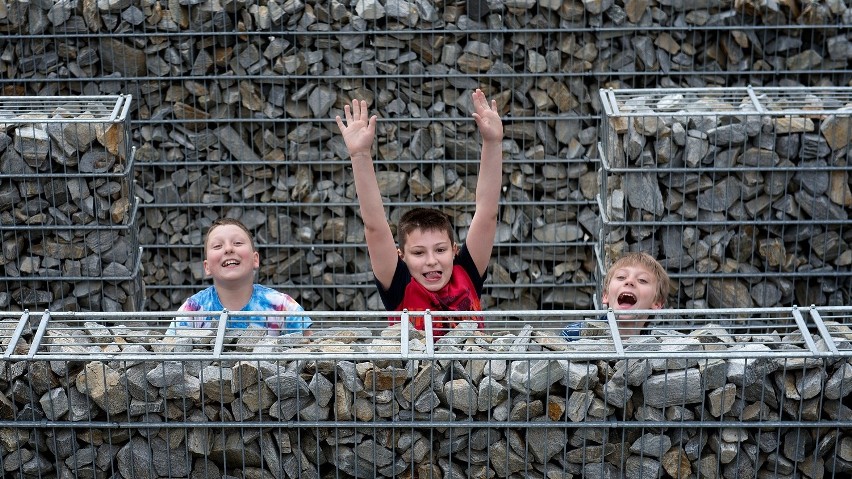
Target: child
{"points": [[634, 281], [428, 270], [231, 259]]}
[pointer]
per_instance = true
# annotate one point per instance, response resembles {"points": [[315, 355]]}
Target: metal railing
{"points": [[787, 332]]}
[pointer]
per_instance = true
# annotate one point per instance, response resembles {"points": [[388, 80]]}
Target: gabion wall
{"points": [[714, 402], [234, 103], [742, 193]]}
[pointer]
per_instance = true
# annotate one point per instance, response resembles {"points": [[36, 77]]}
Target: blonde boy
{"points": [[634, 281]]}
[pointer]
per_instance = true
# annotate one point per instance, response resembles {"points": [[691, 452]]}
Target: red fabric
{"points": [[458, 295]]}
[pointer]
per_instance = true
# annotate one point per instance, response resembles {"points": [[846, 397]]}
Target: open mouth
{"points": [[626, 300], [230, 262]]}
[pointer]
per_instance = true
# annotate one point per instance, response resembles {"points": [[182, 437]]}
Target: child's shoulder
{"points": [[204, 296], [204, 300], [271, 299]]}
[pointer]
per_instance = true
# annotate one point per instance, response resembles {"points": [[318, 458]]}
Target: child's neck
{"points": [[234, 297]]}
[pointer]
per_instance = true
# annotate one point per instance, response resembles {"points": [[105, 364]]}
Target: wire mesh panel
{"points": [[117, 394], [69, 222], [234, 101], [743, 193]]}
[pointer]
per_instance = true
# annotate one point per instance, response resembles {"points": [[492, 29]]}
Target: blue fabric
{"points": [[571, 332], [262, 299]]}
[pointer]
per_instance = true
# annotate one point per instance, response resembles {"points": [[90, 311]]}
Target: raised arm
{"points": [[480, 236], [358, 132]]}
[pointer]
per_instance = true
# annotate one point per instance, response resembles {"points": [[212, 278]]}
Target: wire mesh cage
{"points": [[743, 193], [303, 212], [233, 107], [70, 237], [117, 394]]}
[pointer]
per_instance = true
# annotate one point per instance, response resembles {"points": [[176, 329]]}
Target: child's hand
{"points": [[487, 118], [359, 131]]}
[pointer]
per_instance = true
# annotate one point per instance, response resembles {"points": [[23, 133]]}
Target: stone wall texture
{"points": [[233, 106], [714, 402]]}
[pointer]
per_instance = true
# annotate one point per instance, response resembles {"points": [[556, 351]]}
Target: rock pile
{"points": [[457, 417], [751, 207], [234, 101], [67, 207]]}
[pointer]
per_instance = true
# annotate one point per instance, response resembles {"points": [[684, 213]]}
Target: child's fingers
{"points": [[356, 110], [339, 123], [364, 111]]}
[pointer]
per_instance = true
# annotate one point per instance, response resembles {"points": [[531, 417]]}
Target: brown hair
{"points": [[427, 219], [228, 221], [648, 262]]}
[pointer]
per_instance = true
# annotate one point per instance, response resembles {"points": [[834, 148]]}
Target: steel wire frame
{"points": [[722, 20], [766, 324], [777, 327], [682, 105]]}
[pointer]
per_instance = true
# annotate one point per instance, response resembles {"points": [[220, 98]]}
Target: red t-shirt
{"points": [[462, 293]]}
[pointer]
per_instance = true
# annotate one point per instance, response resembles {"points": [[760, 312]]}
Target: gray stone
{"points": [[673, 388], [135, 459], [643, 192], [534, 375]]}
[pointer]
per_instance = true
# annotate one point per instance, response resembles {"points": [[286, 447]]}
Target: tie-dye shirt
{"points": [[262, 299]]}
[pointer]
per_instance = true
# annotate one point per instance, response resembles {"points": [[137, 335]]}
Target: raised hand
{"points": [[487, 117], [359, 131]]}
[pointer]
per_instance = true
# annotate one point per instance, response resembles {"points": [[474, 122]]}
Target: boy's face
{"points": [[632, 287], [429, 256], [230, 254]]}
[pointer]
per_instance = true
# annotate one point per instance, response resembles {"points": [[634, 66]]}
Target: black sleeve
{"points": [[392, 297], [466, 261]]}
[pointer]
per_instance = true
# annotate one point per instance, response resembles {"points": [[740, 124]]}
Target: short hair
{"points": [[428, 219], [228, 221], [645, 261]]}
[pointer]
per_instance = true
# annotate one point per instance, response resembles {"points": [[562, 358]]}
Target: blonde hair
{"points": [[647, 262]]}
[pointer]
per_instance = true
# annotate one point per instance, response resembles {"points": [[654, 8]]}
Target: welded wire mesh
{"points": [[113, 394], [272, 76], [742, 193], [70, 235]]}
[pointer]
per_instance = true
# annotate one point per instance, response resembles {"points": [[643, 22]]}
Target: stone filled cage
{"points": [[746, 393], [219, 84], [68, 211], [742, 193]]}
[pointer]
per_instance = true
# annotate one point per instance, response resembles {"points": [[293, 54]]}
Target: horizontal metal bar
{"points": [[576, 28], [426, 424], [482, 76]]}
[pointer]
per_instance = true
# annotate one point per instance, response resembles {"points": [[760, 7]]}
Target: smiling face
{"points": [[230, 254], [632, 287], [429, 256]]}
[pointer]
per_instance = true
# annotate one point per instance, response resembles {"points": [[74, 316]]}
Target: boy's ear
{"points": [[399, 252], [256, 260], [206, 268], [455, 249]]}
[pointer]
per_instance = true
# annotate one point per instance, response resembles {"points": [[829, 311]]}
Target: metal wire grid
{"points": [[775, 101], [751, 221], [74, 223], [254, 411], [175, 141], [58, 109], [705, 334]]}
